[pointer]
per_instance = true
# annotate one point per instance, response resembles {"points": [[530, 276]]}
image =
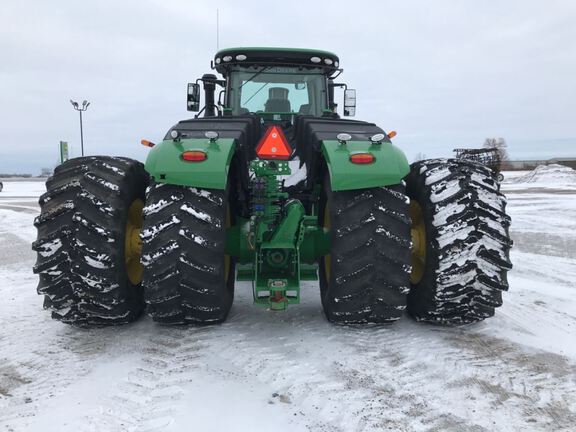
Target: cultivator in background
{"points": [[490, 157], [272, 186]]}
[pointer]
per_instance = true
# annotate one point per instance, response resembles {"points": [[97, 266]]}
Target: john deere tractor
{"points": [[268, 184]]}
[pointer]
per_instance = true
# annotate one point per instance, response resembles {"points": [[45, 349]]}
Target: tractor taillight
{"points": [[362, 158], [274, 145], [194, 156]]}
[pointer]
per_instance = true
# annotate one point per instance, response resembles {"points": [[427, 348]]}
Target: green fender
{"points": [[165, 163], [390, 165]]}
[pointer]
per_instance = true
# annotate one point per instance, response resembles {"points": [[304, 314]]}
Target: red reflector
{"points": [[362, 158], [194, 156], [273, 145]]}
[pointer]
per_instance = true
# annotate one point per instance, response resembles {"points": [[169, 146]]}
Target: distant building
{"points": [[515, 165], [569, 162], [45, 172], [522, 164]]}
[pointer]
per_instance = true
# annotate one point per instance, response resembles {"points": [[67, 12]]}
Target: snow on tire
{"points": [[80, 247], [187, 276], [467, 242], [365, 278]]}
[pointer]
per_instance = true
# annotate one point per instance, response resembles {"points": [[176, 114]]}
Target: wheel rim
{"points": [[418, 242], [133, 243], [327, 258]]}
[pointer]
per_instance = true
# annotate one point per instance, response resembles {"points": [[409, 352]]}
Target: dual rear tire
{"points": [[98, 246], [437, 246]]}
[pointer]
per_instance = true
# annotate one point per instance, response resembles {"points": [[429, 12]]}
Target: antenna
{"points": [[217, 30]]}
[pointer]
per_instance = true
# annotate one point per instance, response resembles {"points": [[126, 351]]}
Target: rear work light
{"points": [[362, 158], [274, 145], [194, 156]]}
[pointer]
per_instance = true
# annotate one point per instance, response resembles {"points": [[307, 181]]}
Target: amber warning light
{"points": [[274, 145]]}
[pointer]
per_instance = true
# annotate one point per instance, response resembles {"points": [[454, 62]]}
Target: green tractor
{"points": [[271, 186]]}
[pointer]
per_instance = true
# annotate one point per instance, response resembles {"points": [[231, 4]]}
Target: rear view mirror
{"points": [[193, 97], [300, 85], [349, 102]]}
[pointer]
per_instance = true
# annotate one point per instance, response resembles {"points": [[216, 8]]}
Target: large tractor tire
{"points": [[365, 278], [461, 242], [88, 244], [188, 277]]}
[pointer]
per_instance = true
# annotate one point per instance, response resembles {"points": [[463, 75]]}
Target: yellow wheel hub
{"points": [[327, 258], [418, 242], [133, 243]]}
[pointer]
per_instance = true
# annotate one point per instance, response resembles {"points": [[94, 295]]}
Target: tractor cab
{"points": [[273, 83], [276, 90]]}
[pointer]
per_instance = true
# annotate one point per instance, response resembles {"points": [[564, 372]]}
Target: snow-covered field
{"points": [[293, 371]]}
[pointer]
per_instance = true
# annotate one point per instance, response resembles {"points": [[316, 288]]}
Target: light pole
{"points": [[80, 109]]}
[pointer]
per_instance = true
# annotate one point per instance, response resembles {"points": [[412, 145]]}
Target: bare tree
{"points": [[502, 147], [420, 156], [500, 144]]}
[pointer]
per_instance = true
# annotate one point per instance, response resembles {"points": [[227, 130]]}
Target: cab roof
{"points": [[228, 57]]}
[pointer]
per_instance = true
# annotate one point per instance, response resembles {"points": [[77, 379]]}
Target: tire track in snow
{"points": [[408, 376], [390, 358], [156, 391], [40, 358], [536, 315], [400, 377], [46, 360], [358, 386], [485, 374], [534, 386], [425, 373], [277, 364], [32, 370], [145, 400]]}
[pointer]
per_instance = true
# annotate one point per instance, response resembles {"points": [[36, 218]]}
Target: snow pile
{"points": [[552, 175], [19, 189]]}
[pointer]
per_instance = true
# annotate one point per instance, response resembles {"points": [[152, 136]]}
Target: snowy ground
{"points": [[293, 371]]}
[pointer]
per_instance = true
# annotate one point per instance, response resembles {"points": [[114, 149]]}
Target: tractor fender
{"points": [[389, 167], [165, 163]]}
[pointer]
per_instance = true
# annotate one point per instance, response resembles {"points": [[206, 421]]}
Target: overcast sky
{"points": [[442, 73]]}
